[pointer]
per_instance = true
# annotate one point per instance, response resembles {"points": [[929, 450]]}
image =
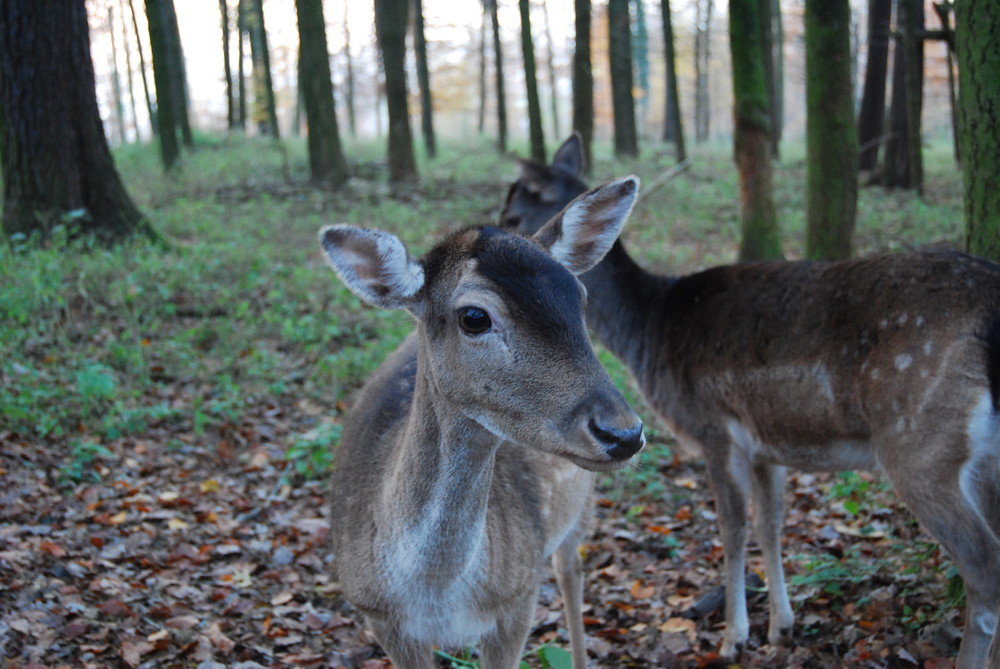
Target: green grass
{"points": [[241, 312]]}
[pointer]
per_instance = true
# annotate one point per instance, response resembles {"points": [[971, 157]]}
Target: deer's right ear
{"points": [[374, 264]]}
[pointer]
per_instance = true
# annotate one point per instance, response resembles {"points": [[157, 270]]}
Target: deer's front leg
{"points": [[728, 472], [767, 492], [502, 648]]}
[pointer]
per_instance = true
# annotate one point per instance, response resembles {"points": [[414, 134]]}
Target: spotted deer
{"points": [[890, 361], [468, 458]]}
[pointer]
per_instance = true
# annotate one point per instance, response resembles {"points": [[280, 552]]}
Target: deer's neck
{"points": [[433, 528], [621, 299]]}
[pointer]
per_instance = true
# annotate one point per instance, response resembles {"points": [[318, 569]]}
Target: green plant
{"points": [[311, 454], [830, 573], [83, 454]]}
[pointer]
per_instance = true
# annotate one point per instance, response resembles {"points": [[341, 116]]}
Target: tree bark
{"points": [[423, 79], [902, 164], [498, 64], [266, 117], [620, 56], [977, 38], [831, 138], [776, 83], [531, 83], [166, 109], [154, 126], [673, 128], [752, 132], [177, 72], [226, 67], [326, 159], [390, 27], [583, 80], [57, 167], [871, 118], [702, 41]]}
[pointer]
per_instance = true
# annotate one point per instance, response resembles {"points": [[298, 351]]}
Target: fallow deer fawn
{"points": [[891, 361], [468, 458]]}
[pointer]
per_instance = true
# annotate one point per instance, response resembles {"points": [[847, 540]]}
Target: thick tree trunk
{"points": [[423, 79], [831, 139], [268, 121], [57, 168], [583, 80], [390, 26], [977, 26], [177, 72], [673, 128], [498, 64], [326, 159], [531, 83], [903, 164], [871, 118], [620, 56], [166, 109], [752, 133]]}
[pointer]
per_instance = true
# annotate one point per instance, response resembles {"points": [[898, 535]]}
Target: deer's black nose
{"points": [[619, 443]]}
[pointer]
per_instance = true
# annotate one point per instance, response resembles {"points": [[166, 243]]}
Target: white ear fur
{"points": [[580, 235], [374, 264]]}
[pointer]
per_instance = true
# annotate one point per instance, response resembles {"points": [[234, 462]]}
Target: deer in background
{"points": [[468, 457], [890, 362]]}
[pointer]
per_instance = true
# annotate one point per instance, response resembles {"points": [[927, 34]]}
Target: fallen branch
{"points": [[662, 179]]}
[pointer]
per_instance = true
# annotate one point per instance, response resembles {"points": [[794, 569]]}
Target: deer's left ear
{"points": [[580, 235]]}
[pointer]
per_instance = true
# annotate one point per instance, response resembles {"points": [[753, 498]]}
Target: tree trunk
{"points": [[226, 67], [498, 64], [702, 41], [673, 128], [481, 120], [620, 57], [241, 88], [57, 167], [871, 118], [776, 83], [349, 64], [553, 83], [831, 138], [531, 83], [977, 39], [326, 159], [423, 79], [640, 64], [166, 109], [116, 86], [903, 167], [128, 69], [267, 118], [752, 132], [177, 72], [390, 27], [153, 124], [583, 81]]}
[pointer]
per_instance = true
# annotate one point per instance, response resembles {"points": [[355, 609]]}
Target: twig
{"points": [[662, 179]]}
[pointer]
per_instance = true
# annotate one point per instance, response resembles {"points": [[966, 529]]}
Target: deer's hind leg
{"points": [[767, 487], [947, 493], [405, 653]]}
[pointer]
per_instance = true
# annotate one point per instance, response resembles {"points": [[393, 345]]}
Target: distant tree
{"points": [[977, 41], [241, 76], [167, 122], [116, 87], [177, 71], [776, 76], [423, 79], [531, 83], [583, 80], [871, 117], [640, 65], [266, 114], [831, 138], [349, 72], [128, 68], [57, 167], [620, 56], [498, 65], [481, 119], [390, 28], [702, 42], [326, 159], [752, 132], [226, 67], [553, 84], [902, 160], [150, 109], [673, 127]]}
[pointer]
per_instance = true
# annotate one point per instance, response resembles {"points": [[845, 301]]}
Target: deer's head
{"points": [[502, 335]]}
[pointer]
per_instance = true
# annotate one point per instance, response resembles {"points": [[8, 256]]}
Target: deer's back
{"points": [[805, 354]]}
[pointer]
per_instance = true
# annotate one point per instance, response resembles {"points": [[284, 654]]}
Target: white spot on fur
{"points": [[875, 374], [903, 361], [928, 347], [902, 319], [983, 431], [920, 321]]}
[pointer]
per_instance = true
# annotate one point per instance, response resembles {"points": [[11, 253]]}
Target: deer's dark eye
{"points": [[474, 320]]}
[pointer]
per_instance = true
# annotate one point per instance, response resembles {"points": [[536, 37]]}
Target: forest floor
{"points": [[166, 420]]}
